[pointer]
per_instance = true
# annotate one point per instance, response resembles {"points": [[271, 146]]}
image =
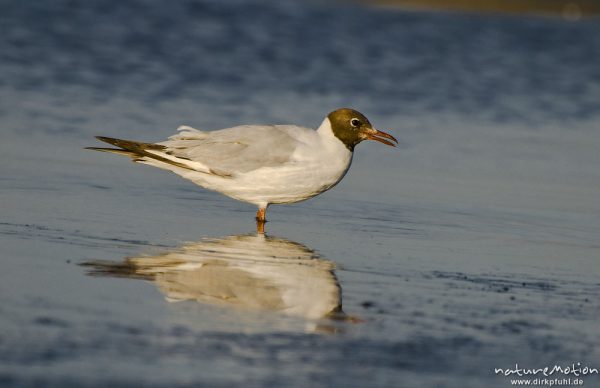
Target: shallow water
{"points": [[473, 246]]}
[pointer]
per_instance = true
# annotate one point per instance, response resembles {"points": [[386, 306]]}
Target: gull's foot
{"points": [[261, 215], [261, 220]]}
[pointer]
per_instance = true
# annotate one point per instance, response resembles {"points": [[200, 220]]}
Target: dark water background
{"points": [[474, 246]]}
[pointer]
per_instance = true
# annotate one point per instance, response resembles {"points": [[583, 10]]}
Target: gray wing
{"points": [[234, 150]]}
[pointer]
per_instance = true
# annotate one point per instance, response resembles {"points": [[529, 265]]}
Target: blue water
{"points": [[472, 246]]}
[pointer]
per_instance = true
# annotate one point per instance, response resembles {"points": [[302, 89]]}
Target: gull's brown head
{"points": [[352, 127]]}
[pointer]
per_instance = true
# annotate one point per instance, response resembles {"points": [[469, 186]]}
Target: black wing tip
{"points": [[119, 151], [130, 145], [136, 150], [99, 148], [109, 140]]}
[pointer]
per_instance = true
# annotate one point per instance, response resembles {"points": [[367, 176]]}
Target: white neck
{"points": [[325, 130], [326, 133], [339, 156]]}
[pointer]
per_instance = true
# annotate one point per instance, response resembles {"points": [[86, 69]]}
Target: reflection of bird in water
{"points": [[248, 271]]}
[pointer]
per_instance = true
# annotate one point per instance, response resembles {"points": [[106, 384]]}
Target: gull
{"points": [[260, 164]]}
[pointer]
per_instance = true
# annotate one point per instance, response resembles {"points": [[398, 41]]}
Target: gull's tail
{"points": [[139, 152]]}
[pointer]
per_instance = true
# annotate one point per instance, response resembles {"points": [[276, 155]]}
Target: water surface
{"points": [[472, 246]]}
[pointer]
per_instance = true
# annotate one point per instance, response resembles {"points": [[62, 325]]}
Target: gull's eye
{"points": [[355, 123]]}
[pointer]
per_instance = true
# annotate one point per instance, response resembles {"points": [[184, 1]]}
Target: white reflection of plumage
{"points": [[248, 271]]}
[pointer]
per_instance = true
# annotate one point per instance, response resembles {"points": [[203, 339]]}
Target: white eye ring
{"points": [[355, 122]]}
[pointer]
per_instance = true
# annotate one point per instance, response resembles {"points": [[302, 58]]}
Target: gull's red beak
{"points": [[380, 136]]}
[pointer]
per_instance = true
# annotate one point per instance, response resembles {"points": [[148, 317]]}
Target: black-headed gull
{"points": [[260, 164]]}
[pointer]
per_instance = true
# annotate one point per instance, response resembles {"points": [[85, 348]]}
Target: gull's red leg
{"points": [[261, 215], [261, 219]]}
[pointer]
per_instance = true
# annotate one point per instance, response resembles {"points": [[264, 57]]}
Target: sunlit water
{"points": [[472, 246]]}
